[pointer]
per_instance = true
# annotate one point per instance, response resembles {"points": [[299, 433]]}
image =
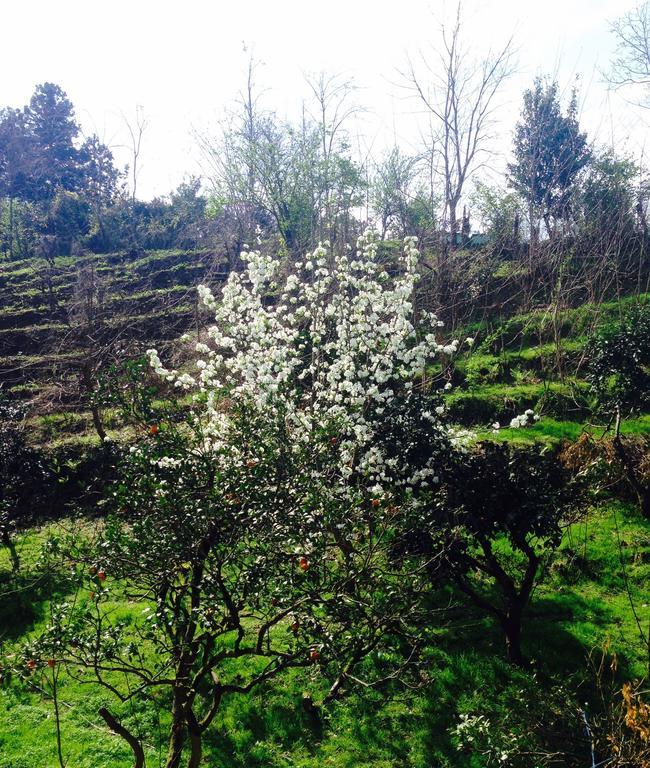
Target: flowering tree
{"points": [[259, 534], [334, 354]]}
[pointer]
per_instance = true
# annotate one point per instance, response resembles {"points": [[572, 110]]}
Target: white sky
{"points": [[184, 63]]}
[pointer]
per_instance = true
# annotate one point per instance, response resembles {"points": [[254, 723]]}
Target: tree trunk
{"points": [[50, 288], [177, 738], [97, 422], [453, 224], [11, 228], [195, 746], [120, 730], [645, 503], [511, 623], [13, 554], [87, 378]]}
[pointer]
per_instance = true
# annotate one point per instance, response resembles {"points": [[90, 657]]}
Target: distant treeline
{"points": [[568, 220]]}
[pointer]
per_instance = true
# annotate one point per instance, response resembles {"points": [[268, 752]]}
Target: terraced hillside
{"points": [[537, 360], [152, 296], [60, 316]]}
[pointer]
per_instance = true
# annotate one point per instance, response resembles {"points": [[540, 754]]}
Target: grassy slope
{"points": [[584, 603], [514, 366]]}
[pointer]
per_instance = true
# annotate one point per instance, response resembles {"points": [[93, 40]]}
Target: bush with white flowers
{"points": [[260, 532], [332, 354]]}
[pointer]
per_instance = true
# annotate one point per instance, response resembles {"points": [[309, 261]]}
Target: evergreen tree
{"points": [[16, 153], [100, 177], [51, 121], [549, 153]]}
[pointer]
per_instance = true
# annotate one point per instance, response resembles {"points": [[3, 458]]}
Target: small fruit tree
{"points": [[499, 518], [258, 533]]}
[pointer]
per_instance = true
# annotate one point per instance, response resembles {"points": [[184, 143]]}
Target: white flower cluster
{"points": [[333, 346], [524, 419], [182, 381], [167, 462], [469, 728], [474, 733]]}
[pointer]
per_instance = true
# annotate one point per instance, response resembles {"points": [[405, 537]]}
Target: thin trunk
{"points": [[57, 719], [177, 737], [97, 422], [87, 379], [511, 623], [120, 730], [13, 554], [49, 272], [453, 224], [11, 228], [196, 750]]}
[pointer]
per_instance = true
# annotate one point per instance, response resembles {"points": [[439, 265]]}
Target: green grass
{"points": [[549, 430], [596, 585], [498, 402], [543, 325]]}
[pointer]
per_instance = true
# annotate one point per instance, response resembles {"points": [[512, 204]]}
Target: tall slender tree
{"points": [[459, 93], [51, 121], [549, 153]]}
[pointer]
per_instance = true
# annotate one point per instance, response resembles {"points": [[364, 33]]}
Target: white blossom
{"points": [[337, 348]]}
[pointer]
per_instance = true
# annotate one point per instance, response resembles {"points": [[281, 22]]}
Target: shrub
{"points": [[619, 357], [24, 477], [486, 369], [618, 465]]}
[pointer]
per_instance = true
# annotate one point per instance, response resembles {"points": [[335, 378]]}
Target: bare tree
{"points": [[333, 109], [459, 94], [298, 181], [136, 129], [231, 164], [632, 63], [87, 317]]}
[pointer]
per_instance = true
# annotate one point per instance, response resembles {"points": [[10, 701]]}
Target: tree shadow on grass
{"points": [[559, 630], [250, 728], [562, 629], [469, 673], [23, 600]]}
